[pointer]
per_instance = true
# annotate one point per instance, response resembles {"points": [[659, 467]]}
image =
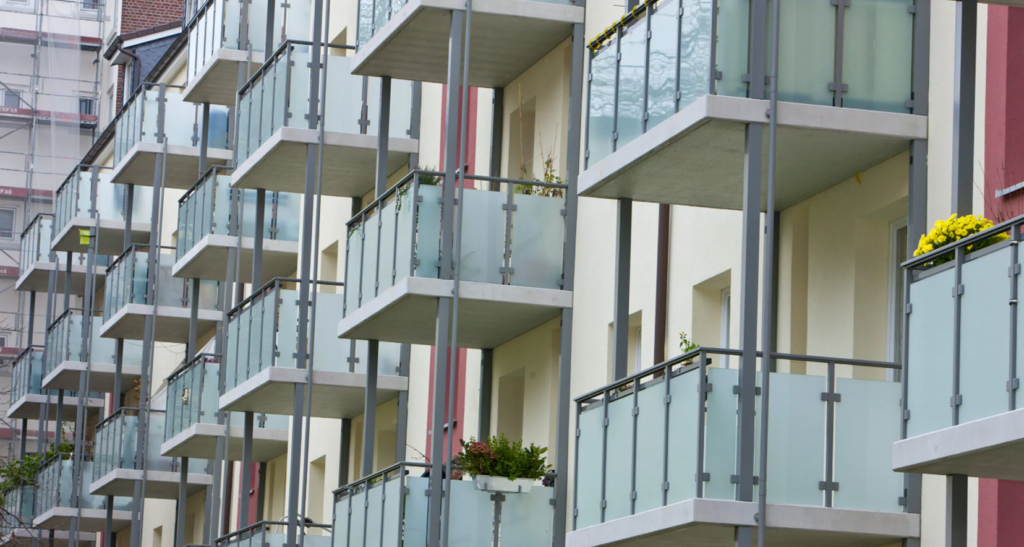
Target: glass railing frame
{"points": [[33, 250], [14, 498], [50, 360], [49, 486], [21, 381], [696, 362], [129, 295], [261, 529], [63, 204], [117, 460]]}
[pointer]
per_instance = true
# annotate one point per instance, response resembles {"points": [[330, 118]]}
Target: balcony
{"points": [[511, 263], [28, 398], [273, 133], [36, 265], [261, 373], [273, 533], [392, 504], [207, 229], [662, 129], [69, 356], [192, 430], [55, 507], [656, 459], [155, 116], [126, 300], [215, 51], [87, 199], [409, 38], [964, 402], [17, 507]]}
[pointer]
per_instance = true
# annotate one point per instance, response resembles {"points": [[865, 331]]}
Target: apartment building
{"points": [[317, 244]]}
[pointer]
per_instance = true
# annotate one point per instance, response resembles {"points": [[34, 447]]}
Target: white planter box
{"points": [[488, 483]]}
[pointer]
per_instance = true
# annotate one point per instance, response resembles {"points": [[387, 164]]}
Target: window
{"points": [[898, 252], [12, 98], [91, 4], [6, 223], [85, 105], [3, 340]]}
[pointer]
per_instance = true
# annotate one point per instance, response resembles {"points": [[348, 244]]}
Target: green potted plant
{"points": [[500, 465]]}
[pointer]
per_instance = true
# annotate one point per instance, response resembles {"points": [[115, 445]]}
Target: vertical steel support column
{"points": [[261, 488], [32, 320], [444, 304], [344, 450], [661, 282], [486, 387], [965, 69], [179, 525], [257, 243], [67, 281], [108, 525], [383, 134], [620, 327], [118, 368], [402, 428], [246, 471], [204, 141], [497, 134], [956, 511], [193, 322], [370, 408], [572, 173]]}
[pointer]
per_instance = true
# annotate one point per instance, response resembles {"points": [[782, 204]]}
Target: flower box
{"points": [[488, 483]]}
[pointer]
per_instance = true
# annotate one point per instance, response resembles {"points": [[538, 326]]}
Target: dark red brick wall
{"points": [[139, 15]]}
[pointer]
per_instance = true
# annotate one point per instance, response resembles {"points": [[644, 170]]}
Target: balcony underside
{"points": [[200, 441], [172, 323], [111, 236], [161, 485], [28, 406], [217, 81], [208, 259], [101, 376], [138, 165], [508, 37], [990, 448], [24, 536], [696, 157], [335, 394], [712, 523], [92, 520], [37, 277], [350, 162], [489, 315]]}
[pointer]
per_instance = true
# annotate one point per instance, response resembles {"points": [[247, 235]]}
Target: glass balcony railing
{"points": [[54, 487], [216, 24], [392, 504], [962, 361], [139, 119], [664, 436], [17, 506], [206, 210], [27, 374], [192, 396], [277, 96], [74, 198], [273, 534], [117, 443], [262, 332], [128, 283], [511, 236], [65, 341], [35, 246], [636, 83]]}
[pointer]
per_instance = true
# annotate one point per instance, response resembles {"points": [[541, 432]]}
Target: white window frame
{"points": [[895, 283], [14, 223]]}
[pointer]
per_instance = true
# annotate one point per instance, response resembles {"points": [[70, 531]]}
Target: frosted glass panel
{"points": [[392, 506], [385, 269], [526, 519], [416, 510], [287, 329], [353, 269], [475, 514], [618, 486], [695, 48], [428, 232], [403, 245], [930, 354], [537, 241], [374, 514], [984, 332], [877, 55], [807, 38], [328, 349], [867, 424], [589, 447], [663, 60], [601, 120], [371, 253], [731, 53], [720, 435], [339, 535], [357, 530], [682, 437], [630, 114], [650, 446], [346, 91], [483, 236], [796, 439]]}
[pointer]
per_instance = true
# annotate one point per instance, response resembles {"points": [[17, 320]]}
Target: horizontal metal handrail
{"points": [[382, 473], [1015, 223], [64, 314], [265, 524], [132, 249], [271, 284], [26, 351], [78, 169], [202, 178], [188, 366], [124, 411], [33, 222], [272, 59]]}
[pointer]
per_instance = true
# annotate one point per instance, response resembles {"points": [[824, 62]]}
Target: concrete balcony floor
{"points": [[111, 236], [696, 157], [159, 484], [507, 37], [991, 448], [217, 81], [101, 376], [28, 406], [200, 441], [172, 323], [489, 315], [349, 167], [138, 165], [712, 523], [37, 277], [92, 520], [208, 259]]}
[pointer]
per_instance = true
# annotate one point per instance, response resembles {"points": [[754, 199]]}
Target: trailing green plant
{"points": [[550, 177], [16, 471], [500, 457], [685, 344]]}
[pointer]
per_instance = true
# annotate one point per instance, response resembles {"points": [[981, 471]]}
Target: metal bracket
{"points": [[901, 501], [735, 479], [956, 400], [736, 390], [909, 308], [668, 398], [1014, 270], [636, 411], [704, 477], [505, 207], [906, 414], [826, 486], [1012, 385], [958, 290], [833, 86], [834, 397]]}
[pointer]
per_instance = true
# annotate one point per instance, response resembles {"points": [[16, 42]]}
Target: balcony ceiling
{"points": [[217, 81], [111, 235], [101, 376], [138, 166]]}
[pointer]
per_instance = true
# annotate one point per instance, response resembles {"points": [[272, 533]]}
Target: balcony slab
{"points": [[696, 157], [712, 523], [349, 166], [61, 538], [138, 165], [111, 236], [208, 259], [92, 520], [28, 407], [489, 315], [36, 277], [990, 448], [335, 394], [159, 484], [217, 81], [172, 323], [200, 441], [508, 37], [101, 376]]}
